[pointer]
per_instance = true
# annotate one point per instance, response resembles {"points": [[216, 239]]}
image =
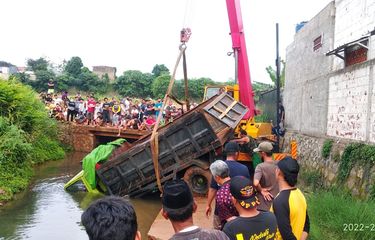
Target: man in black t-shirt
{"points": [[71, 110], [251, 224], [48, 99], [106, 108]]}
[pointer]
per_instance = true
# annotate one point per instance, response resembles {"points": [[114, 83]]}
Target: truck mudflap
{"points": [[190, 137]]}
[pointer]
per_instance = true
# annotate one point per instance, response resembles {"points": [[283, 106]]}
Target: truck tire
{"points": [[198, 180]]}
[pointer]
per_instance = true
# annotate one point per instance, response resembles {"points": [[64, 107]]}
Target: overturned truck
{"points": [[186, 146]]}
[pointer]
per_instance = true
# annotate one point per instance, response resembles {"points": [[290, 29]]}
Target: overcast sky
{"points": [[137, 34]]}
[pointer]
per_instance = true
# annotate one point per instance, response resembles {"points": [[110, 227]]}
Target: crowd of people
{"points": [[265, 205], [125, 113]]}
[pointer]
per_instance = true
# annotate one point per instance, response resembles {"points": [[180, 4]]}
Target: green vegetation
{"points": [[27, 136], [327, 146], [73, 76], [356, 153], [312, 179], [262, 118], [372, 192], [70, 74], [272, 73], [134, 83], [334, 213]]}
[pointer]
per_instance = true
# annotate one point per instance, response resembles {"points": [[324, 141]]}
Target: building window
{"points": [[356, 53], [317, 43]]}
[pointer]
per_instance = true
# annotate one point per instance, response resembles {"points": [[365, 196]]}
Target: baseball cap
{"points": [[176, 194], [264, 147], [244, 192], [290, 168], [231, 147]]}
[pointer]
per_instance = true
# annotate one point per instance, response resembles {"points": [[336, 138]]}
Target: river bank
{"points": [[46, 211], [28, 137]]}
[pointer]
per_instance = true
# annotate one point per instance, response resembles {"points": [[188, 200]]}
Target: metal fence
{"points": [[267, 105]]}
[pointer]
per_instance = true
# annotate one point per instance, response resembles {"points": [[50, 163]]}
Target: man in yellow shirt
{"points": [[289, 206]]}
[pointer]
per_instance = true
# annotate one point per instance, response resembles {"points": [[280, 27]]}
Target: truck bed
{"points": [[188, 141]]}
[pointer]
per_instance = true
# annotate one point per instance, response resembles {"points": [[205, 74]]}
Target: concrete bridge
{"points": [[85, 138]]}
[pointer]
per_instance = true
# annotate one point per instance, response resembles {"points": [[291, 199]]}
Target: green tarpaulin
{"points": [[99, 154]]}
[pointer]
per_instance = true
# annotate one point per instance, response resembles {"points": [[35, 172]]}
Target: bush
{"points": [[312, 178], [15, 164], [327, 146], [27, 136], [356, 153]]}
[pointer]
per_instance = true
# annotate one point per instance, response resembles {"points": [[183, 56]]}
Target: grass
{"points": [[332, 211]]}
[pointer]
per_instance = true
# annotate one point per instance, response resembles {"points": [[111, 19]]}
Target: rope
{"points": [[154, 136]]}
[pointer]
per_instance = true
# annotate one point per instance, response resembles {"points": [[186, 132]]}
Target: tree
{"points": [[22, 77], [64, 82], [88, 81], [43, 74], [39, 64], [42, 79], [105, 84], [261, 87], [196, 87], [272, 73], [159, 70], [74, 66], [134, 83], [160, 86]]}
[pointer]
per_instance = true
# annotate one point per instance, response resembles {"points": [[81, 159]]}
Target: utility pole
{"points": [[277, 89]]}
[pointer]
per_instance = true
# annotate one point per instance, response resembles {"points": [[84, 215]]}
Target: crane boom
{"points": [[240, 53]]}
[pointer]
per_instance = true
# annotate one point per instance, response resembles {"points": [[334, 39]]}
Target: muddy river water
{"points": [[46, 211]]}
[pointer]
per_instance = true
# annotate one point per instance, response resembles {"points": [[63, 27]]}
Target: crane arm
{"points": [[242, 62]]}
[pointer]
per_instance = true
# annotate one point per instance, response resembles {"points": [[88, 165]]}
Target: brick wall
{"points": [[348, 103]]}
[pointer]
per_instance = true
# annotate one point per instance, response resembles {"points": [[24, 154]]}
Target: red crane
{"points": [[241, 61]]}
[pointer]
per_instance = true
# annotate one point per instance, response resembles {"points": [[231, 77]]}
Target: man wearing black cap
{"points": [[251, 224], [178, 207], [290, 205], [235, 169]]}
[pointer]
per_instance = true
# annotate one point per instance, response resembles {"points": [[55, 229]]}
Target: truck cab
{"points": [[212, 90]]}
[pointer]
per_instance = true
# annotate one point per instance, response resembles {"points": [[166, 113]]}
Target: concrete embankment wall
{"points": [[360, 180]]}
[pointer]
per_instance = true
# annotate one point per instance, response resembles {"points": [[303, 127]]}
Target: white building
{"points": [[351, 99], [329, 85], [7, 69]]}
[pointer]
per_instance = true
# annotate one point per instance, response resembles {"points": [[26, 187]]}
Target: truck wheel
{"points": [[198, 179]]}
